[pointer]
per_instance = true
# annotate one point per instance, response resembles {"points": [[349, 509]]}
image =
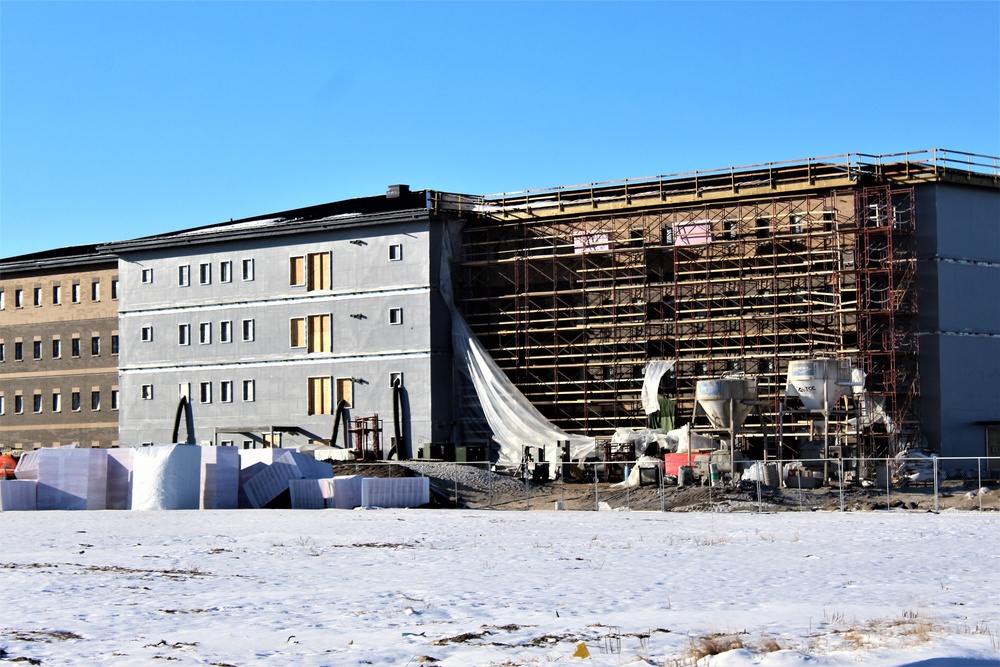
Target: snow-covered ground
{"points": [[463, 588]]}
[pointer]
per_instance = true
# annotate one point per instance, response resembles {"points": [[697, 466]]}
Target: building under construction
{"points": [[889, 262]]}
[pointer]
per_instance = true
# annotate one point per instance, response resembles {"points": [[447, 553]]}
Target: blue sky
{"points": [[119, 120]]}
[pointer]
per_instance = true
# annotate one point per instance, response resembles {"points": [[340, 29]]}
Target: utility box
{"points": [[470, 453], [432, 450]]}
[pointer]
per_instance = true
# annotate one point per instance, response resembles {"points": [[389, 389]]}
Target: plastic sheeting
{"points": [[655, 370], [641, 439], [166, 477], [18, 495], [395, 491], [72, 479], [683, 440], [872, 409], [634, 479], [515, 422]]}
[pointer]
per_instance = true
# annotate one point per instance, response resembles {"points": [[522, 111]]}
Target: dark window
{"points": [[763, 228]]}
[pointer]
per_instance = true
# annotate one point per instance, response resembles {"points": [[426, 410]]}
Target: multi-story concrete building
{"points": [[59, 349], [889, 262], [266, 325]]}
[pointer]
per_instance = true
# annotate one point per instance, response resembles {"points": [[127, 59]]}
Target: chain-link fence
{"points": [[924, 483]]}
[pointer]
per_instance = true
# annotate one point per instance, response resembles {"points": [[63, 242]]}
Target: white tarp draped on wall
{"points": [[651, 382], [513, 419]]}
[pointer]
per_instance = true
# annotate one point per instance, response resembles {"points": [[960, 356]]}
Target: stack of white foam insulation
{"points": [[395, 491], [166, 477], [181, 476], [72, 479]]}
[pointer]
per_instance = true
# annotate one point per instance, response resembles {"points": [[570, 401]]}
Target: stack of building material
{"points": [[311, 468], [220, 478], [120, 478], [72, 479], [266, 474], [252, 463], [307, 494], [395, 492], [343, 491], [166, 477], [17, 494], [273, 480], [27, 466]]}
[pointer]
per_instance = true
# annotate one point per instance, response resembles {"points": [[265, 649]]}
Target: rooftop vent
{"points": [[396, 191]]}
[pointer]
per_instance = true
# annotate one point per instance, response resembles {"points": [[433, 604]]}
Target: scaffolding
{"points": [[573, 290]]}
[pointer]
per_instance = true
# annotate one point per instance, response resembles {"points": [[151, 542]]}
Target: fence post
{"points": [[662, 473], [934, 458], [979, 489], [888, 481], [841, 484], [597, 498], [526, 506], [628, 493]]}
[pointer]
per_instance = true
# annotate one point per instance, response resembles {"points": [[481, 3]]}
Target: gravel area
{"points": [[469, 486], [469, 478]]}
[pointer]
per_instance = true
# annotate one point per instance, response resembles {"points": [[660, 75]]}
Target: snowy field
{"points": [[466, 588]]}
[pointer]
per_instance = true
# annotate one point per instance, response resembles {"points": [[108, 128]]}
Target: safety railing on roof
{"points": [[812, 171], [938, 160]]}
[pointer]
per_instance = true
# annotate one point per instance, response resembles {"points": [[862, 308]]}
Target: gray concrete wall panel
{"points": [[970, 392], [280, 399]]}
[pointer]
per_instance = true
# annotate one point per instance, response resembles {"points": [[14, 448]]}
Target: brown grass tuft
{"points": [[703, 647]]}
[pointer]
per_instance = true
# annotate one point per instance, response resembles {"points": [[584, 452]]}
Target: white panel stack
{"points": [[252, 463], [346, 492], [307, 494], [395, 491], [311, 468], [119, 478], [17, 495], [327, 489], [27, 466], [166, 477], [72, 479], [220, 478], [273, 480]]}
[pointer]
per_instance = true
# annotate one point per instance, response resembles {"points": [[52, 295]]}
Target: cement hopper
{"points": [[726, 401], [819, 383]]}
